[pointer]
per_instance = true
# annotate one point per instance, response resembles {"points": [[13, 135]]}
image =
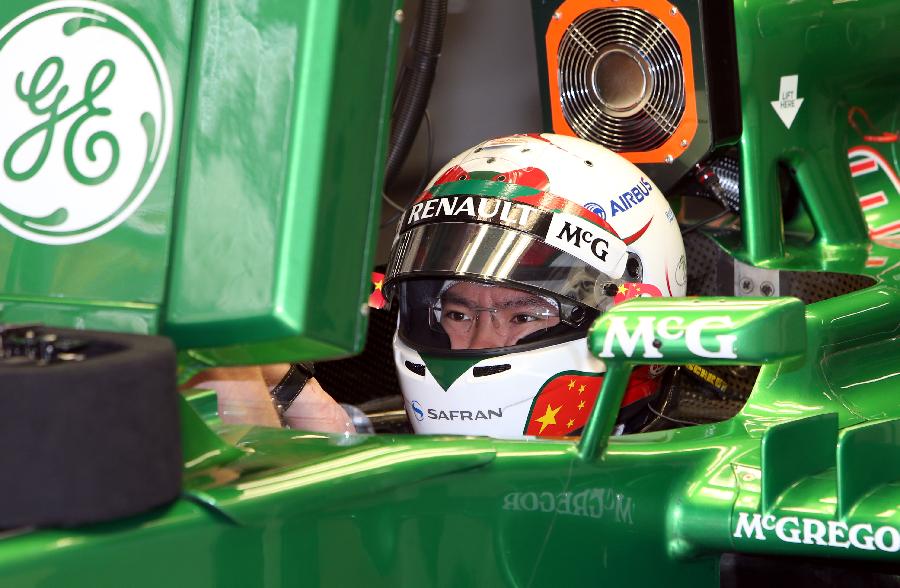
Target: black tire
{"points": [[93, 440]]}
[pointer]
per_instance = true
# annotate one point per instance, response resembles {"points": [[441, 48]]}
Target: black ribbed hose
{"points": [[415, 88]]}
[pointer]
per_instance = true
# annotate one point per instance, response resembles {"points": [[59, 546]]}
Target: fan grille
{"points": [[621, 80]]}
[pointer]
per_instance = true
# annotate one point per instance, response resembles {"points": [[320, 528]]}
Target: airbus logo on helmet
{"points": [[632, 197], [596, 209]]}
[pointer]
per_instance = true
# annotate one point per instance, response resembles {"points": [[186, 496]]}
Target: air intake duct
{"points": [[633, 76]]}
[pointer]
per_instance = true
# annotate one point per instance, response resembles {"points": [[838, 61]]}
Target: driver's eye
{"points": [[523, 318], [455, 315]]}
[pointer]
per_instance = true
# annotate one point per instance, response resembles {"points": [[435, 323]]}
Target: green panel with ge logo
{"points": [[90, 96], [165, 168]]}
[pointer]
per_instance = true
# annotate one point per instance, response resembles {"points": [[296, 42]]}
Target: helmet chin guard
{"points": [[496, 396], [500, 267]]}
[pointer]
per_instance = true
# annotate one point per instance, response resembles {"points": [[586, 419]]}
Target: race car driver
{"points": [[500, 267]]}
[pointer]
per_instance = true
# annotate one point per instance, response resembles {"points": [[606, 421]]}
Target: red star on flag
{"points": [[555, 412], [630, 290], [565, 401]]}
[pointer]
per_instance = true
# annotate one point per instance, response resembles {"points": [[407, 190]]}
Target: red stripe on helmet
{"points": [[639, 234], [454, 174], [532, 177], [553, 203]]}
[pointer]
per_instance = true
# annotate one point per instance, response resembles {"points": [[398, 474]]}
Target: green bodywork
{"points": [[297, 508], [280, 113], [809, 467], [844, 55]]}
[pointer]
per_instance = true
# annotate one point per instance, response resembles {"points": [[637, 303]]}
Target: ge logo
{"points": [[596, 209], [85, 121]]}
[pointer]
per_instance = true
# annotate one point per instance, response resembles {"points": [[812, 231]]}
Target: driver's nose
{"points": [[485, 335]]}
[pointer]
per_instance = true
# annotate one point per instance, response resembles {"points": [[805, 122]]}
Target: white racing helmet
{"points": [[500, 267]]}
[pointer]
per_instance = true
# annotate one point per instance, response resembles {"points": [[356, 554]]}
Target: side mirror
{"points": [[670, 331]]}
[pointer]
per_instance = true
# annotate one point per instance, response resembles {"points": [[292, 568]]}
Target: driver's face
{"points": [[476, 316]]}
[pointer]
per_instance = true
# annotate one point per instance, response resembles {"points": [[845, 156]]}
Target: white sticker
{"points": [[788, 102], [588, 242]]}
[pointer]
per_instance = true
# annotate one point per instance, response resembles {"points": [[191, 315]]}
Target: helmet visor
{"points": [[501, 256], [457, 315]]}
